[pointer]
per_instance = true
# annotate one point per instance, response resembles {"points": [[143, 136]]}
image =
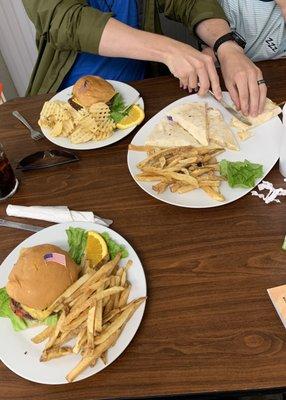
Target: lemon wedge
{"points": [[96, 248], [134, 117]]}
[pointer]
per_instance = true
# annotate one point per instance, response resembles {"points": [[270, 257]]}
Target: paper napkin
{"points": [[55, 214]]}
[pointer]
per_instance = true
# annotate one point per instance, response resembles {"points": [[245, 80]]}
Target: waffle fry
{"points": [[100, 111], [79, 136], [68, 127], [62, 120]]}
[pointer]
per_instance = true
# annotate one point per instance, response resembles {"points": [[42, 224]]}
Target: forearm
{"points": [[120, 40], [210, 30]]}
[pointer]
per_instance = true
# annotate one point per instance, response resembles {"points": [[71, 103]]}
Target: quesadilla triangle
{"points": [[270, 110], [170, 134], [193, 118], [219, 131]]}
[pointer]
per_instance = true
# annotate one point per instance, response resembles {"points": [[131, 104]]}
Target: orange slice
{"points": [[96, 248], [134, 117]]}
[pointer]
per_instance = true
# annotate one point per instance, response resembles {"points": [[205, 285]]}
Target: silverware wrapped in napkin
{"points": [[55, 214]]}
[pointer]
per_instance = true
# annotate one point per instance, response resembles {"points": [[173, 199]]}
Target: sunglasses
{"points": [[46, 159]]}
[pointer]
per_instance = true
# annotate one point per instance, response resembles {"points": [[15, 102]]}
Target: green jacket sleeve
{"points": [[191, 12], [67, 24]]}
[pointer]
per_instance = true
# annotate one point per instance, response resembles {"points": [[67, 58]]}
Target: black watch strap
{"points": [[223, 39], [233, 36]]}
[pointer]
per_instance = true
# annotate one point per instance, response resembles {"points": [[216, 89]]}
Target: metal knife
{"points": [[18, 225], [233, 112]]}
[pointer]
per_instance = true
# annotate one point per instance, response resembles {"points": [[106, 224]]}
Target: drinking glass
{"points": [[8, 180]]}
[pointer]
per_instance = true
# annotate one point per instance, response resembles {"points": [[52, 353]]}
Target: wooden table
{"points": [[209, 325]]}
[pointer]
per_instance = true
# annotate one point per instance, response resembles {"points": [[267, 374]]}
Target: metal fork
{"points": [[35, 135]]}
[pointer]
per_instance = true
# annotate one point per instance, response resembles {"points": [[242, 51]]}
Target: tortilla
{"points": [[193, 118], [219, 131], [170, 134], [271, 110]]}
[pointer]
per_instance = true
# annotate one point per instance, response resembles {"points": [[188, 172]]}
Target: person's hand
{"points": [[193, 69], [209, 52], [241, 78]]}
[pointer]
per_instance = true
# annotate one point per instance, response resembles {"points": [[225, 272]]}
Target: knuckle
{"points": [[200, 65], [208, 59]]}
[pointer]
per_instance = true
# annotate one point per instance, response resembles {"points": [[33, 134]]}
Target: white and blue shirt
{"points": [[262, 25]]}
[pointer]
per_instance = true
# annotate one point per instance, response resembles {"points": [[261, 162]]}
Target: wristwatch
{"points": [[231, 36]]}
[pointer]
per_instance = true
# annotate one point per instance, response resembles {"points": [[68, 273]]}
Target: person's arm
{"points": [[239, 72], [206, 19], [184, 62], [282, 5], [67, 24]]}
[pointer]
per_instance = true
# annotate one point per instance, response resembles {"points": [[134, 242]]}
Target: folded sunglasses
{"points": [[46, 159]]}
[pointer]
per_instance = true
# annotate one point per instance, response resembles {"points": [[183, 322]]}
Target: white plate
{"points": [[129, 95], [22, 356], [262, 148]]}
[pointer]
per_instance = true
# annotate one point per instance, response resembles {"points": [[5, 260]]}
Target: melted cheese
{"points": [[36, 314]]}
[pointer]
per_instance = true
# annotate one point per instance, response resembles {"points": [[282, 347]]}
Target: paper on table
{"points": [[278, 298], [282, 160], [55, 214]]}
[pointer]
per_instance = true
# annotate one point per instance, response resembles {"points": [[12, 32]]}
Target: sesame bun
{"points": [[35, 282], [89, 90]]}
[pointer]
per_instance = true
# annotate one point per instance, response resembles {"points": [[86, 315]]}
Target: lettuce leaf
{"points": [[51, 320], [5, 311], [113, 247], [241, 173], [117, 108], [77, 238], [19, 324]]}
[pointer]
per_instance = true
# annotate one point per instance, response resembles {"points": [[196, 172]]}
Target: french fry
{"points": [[43, 335], [65, 337], [98, 315], [142, 148], [103, 272], [148, 178], [56, 330], [116, 295], [57, 352], [90, 328], [124, 297], [86, 361], [117, 323], [212, 193], [80, 340], [75, 286], [104, 357], [76, 322], [185, 189], [161, 186]]}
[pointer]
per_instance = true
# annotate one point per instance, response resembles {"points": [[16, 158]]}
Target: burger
{"points": [[41, 274], [90, 90]]}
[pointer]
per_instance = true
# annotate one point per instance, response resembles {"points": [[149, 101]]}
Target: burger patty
{"points": [[19, 311]]}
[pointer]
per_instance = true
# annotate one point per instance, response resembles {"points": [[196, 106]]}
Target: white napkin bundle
{"points": [[55, 214]]}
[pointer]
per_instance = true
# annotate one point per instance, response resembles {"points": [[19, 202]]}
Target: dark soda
{"points": [[7, 176]]}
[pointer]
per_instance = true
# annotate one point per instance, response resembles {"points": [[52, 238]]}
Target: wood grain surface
{"points": [[209, 325]]}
